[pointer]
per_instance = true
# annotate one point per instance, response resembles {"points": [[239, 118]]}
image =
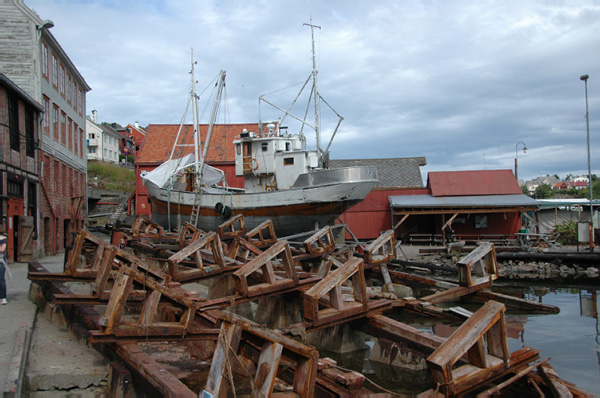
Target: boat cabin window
{"points": [[238, 149], [288, 161], [288, 146], [265, 146]]}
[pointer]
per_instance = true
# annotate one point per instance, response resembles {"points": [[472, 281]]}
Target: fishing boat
{"points": [[283, 180]]}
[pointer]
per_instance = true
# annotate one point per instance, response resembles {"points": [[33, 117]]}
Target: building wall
{"points": [[34, 60], [19, 51], [19, 182], [372, 216]]}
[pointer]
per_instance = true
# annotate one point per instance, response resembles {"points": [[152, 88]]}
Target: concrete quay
{"points": [[39, 356]]}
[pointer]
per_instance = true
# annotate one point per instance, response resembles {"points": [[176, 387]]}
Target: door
{"points": [[247, 157], [15, 209], [26, 234]]}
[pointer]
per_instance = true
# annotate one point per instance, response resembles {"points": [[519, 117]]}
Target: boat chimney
{"points": [[137, 125], [95, 116]]}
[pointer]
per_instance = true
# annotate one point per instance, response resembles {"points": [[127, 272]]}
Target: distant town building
{"points": [[136, 134], [102, 141], [32, 58]]}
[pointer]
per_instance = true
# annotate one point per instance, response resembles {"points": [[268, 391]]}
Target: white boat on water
{"points": [[283, 180]]}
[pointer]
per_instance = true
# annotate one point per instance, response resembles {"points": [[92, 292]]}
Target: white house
{"points": [[102, 141]]}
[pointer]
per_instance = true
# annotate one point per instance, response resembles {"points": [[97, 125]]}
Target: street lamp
{"points": [[587, 123], [517, 156]]}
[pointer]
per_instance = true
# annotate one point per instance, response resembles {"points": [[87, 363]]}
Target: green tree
{"points": [[544, 191], [525, 190]]}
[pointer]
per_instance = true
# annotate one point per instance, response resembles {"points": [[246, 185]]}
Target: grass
{"points": [[111, 177]]}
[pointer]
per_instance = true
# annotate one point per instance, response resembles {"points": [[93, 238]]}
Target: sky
{"points": [[465, 84]]}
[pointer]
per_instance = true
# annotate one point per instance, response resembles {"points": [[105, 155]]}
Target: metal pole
{"points": [[517, 156], [587, 123]]}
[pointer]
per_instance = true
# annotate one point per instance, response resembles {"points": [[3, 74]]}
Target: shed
{"points": [[479, 204]]}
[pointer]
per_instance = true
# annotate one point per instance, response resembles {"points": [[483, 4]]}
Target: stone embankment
{"points": [[533, 266], [546, 270]]}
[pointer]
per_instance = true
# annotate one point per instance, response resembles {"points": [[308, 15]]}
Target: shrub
{"points": [[568, 233]]}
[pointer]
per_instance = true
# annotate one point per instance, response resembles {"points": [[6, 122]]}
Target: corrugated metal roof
{"points": [[393, 172], [473, 182], [416, 201]]}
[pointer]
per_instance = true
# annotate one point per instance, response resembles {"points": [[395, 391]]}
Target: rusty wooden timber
{"points": [[146, 300]]}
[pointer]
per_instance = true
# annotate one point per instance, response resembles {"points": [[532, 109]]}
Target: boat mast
{"points": [[316, 91], [194, 99], [211, 123]]}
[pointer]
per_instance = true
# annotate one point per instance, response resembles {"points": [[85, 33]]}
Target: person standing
{"points": [[3, 266]]}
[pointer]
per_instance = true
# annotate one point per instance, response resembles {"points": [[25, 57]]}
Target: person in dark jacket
{"points": [[3, 241], [448, 231]]}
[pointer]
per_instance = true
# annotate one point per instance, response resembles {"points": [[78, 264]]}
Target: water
{"points": [[571, 338]]}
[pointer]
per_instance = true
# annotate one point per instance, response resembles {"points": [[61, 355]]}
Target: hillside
{"points": [[107, 176]]}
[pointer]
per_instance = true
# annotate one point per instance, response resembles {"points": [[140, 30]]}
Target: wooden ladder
{"points": [[195, 209]]}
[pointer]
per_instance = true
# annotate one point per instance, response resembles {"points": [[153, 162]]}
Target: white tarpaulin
{"points": [[161, 175]]}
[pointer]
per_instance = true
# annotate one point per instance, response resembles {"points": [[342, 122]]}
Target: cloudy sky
{"points": [[459, 82]]}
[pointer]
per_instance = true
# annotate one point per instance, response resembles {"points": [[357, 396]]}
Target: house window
{"points": [[14, 188], [55, 71], [55, 122], [481, 222], [45, 60], [46, 119], [75, 140], [29, 133], [80, 103], [288, 161], [61, 82], [69, 87], [13, 122], [63, 128]]}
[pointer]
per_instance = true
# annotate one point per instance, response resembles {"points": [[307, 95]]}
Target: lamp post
{"points": [[587, 123], [517, 157]]}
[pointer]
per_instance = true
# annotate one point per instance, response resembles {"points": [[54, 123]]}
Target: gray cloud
{"points": [[446, 80]]}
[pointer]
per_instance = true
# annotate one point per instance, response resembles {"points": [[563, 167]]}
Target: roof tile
{"points": [[160, 138], [474, 182]]}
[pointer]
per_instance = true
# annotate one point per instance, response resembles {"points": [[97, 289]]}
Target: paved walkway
{"points": [[20, 324]]}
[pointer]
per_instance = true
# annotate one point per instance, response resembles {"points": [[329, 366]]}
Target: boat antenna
{"points": [[315, 90]]}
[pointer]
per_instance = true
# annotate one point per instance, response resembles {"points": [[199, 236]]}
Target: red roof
{"points": [[160, 138], [474, 182]]}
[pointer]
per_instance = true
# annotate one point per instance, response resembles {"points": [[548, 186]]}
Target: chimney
{"points": [[137, 125], [95, 116]]}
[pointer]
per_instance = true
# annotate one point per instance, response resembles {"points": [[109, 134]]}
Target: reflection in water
{"points": [[571, 338]]}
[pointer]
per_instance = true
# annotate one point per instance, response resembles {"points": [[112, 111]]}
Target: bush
{"points": [[568, 233]]}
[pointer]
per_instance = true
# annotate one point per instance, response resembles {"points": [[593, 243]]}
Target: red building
{"points": [[136, 134], [480, 204], [397, 176], [19, 169], [159, 142]]}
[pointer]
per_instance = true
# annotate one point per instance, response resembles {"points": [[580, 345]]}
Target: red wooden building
{"points": [[479, 204], [397, 176]]}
